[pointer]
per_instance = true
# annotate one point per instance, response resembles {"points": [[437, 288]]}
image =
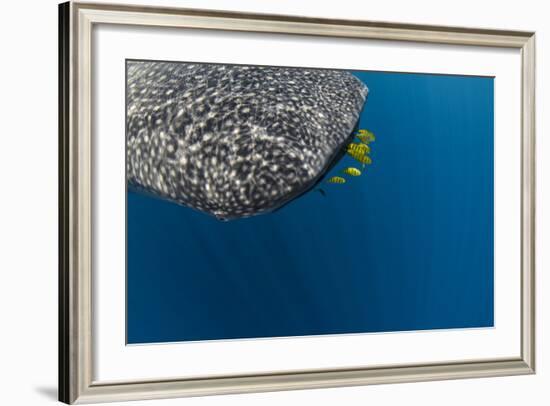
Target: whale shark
{"points": [[235, 141]]}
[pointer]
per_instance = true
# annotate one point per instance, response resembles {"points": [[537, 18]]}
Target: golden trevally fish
{"points": [[336, 179], [352, 171], [365, 136], [355, 147], [364, 159]]}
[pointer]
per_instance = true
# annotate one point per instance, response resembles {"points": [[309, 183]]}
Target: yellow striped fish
{"points": [[352, 171], [336, 179], [358, 148], [364, 159], [365, 136]]}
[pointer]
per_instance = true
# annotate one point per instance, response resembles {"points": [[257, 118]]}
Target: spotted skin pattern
{"points": [[235, 141]]}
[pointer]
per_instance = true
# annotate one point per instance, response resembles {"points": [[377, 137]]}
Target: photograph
{"points": [[269, 201], [265, 200]]}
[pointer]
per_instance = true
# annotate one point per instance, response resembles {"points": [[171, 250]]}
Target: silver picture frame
{"points": [[76, 352]]}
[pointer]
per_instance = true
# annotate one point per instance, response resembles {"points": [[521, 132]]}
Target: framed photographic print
{"points": [[263, 202]]}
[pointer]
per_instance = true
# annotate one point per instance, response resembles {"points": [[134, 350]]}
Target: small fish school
{"points": [[358, 151]]}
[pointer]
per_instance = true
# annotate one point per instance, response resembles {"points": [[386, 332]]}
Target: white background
{"points": [[28, 215]]}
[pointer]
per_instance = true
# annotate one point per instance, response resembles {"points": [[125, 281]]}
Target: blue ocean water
{"points": [[406, 246]]}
